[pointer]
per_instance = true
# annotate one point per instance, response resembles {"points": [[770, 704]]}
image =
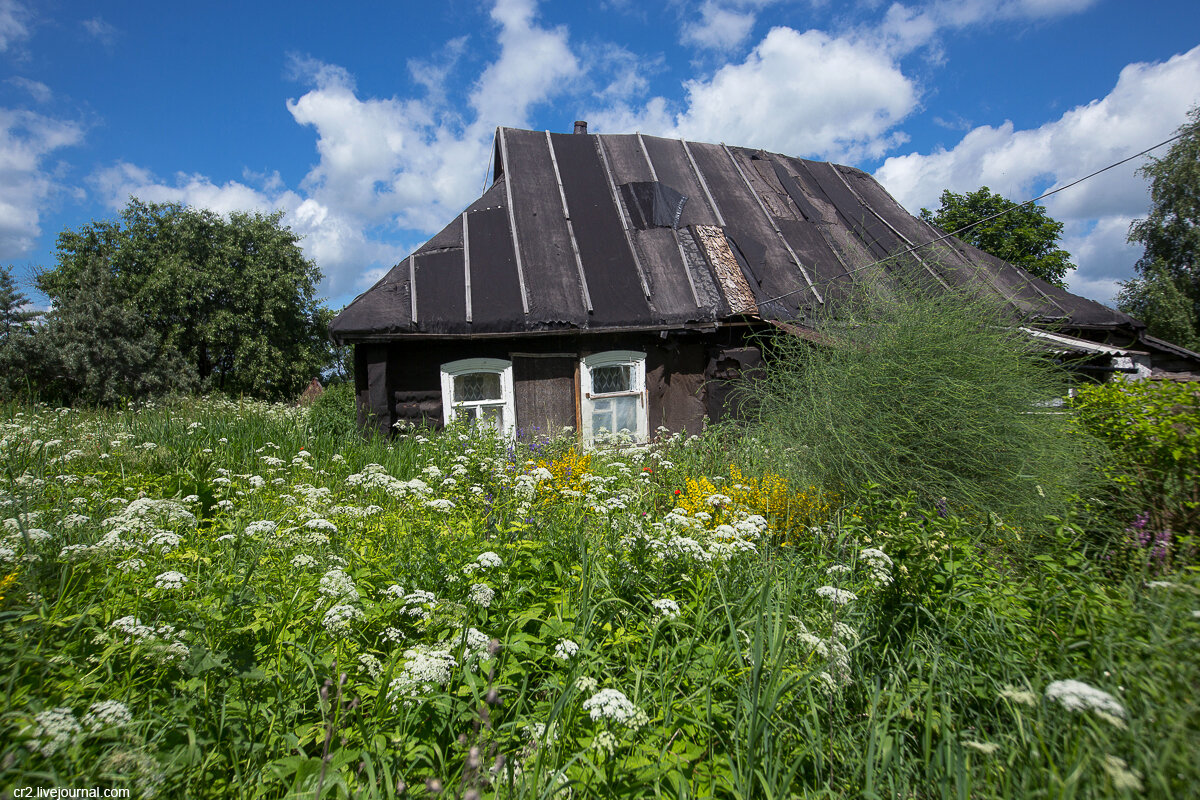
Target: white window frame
{"points": [[466, 366], [614, 358]]}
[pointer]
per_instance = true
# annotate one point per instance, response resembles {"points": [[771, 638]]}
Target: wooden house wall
{"points": [[688, 376]]}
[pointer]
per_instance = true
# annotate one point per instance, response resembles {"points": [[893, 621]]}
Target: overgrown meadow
{"points": [[206, 598]]}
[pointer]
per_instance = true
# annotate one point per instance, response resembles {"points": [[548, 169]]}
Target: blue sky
{"points": [[370, 125]]}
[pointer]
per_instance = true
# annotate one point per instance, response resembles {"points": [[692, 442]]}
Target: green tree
{"points": [[1166, 293], [1024, 235], [97, 348], [16, 333], [233, 299]]}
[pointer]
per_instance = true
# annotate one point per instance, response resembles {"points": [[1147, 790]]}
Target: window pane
{"points": [[625, 414], [475, 386], [612, 379], [492, 415], [602, 416]]}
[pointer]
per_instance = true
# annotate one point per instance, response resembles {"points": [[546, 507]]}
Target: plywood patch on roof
{"points": [[729, 275]]}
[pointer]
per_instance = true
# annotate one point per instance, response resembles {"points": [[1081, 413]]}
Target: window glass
{"points": [[615, 414], [618, 378], [476, 386]]}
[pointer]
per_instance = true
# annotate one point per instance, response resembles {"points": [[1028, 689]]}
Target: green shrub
{"points": [[1153, 427], [334, 412], [928, 391]]}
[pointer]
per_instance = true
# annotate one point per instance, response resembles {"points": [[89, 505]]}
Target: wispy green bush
{"points": [[929, 391]]}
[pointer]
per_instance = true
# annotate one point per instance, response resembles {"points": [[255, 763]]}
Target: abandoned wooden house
{"points": [[615, 282]]}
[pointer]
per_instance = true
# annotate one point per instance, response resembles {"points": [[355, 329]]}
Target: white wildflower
{"points": [[666, 608], [424, 670], [614, 705], [1025, 698], [1123, 778], [170, 580], [337, 585], [337, 619], [489, 560], [586, 684], [565, 650], [304, 560], [131, 565], [261, 528], [1079, 696], [482, 595], [321, 525], [987, 748], [839, 596], [107, 714], [54, 728], [370, 665]]}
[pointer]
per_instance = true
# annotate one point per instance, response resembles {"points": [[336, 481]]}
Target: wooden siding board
{"points": [[544, 394]]}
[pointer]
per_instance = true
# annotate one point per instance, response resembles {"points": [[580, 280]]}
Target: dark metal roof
{"points": [[588, 232]]}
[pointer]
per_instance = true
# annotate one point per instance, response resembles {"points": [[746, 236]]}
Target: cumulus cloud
{"points": [[1148, 102], [718, 27], [338, 242], [14, 23], [798, 93], [905, 28], [26, 183], [386, 166]]}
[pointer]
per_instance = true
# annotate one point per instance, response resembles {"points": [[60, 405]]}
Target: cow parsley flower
{"points": [[666, 608], [424, 670], [131, 565], [482, 595], [107, 714], [839, 596], [1078, 696], [614, 705], [489, 560], [304, 560], [337, 585], [337, 619], [441, 504], [261, 528], [565, 650], [53, 729], [1021, 696], [170, 580]]}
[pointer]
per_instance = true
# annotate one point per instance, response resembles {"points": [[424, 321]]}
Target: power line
{"points": [[985, 219]]}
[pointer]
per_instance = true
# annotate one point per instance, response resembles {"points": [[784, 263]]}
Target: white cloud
{"points": [[385, 165], [39, 91], [1147, 104], [337, 242], [907, 28], [100, 30], [796, 93], [14, 23], [1103, 256], [26, 139], [718, 27]]}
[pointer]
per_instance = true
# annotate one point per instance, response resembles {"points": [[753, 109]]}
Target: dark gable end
{"points": [[591, 233]]}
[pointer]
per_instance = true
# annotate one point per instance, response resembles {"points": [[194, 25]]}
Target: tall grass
{"points": [[934, 392]]}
